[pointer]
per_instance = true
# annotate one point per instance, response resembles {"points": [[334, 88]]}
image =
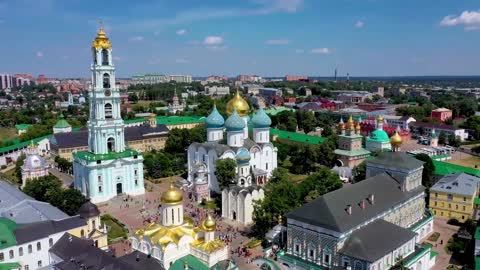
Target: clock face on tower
{"points": [[108, 93]]}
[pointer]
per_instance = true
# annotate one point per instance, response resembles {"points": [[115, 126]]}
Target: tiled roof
{"points": [[38, 230]]}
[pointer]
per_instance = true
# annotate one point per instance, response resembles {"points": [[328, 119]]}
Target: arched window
{"points": [[30, 249], [20, 251], [50, 242], [11, 254], [358, 265], [111, 144], [108, 111], [106, 80], [82, 233], [105, 57], [93, 224], [173, 216], [39, 246]]}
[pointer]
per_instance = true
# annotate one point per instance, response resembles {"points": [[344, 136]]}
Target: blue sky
{"points": [[265, 37]]}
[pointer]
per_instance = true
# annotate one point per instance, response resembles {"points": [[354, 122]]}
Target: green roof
{"points": [[89, 156], [378, 135], [10, 266], [296, 137], [22, 126], [415, 258], [136, 120], [7, 237], [62, 123], [477, 263], [277, 110], [444, 168], [433, 254], [477, 233], [193, 264], [476, 201], [20, 145], [355, 153], [179, 120]]}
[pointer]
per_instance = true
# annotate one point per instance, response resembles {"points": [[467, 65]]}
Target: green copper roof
{"points": [[193, 264], [476, 201], [444, 168], [20, 145], [379, 135], [179, 120], [296, 137], [277, 110], [477, 233], [62, 123], [7, 237], [355, 153], [89, 156], [22, 126], [10, 266]]}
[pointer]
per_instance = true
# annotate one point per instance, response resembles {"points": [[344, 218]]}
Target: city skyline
{"points": [[265, 37]]}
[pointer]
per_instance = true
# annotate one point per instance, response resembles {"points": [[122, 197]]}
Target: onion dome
{"points": [[379, 119], [396, 139], [33, 162], [209, 224], [243, 156], [101, 41], [234, 122], [239, 104], [341, 125], [358, 127], [88, 210], [261, 119], [215, 119], [173, 195]]}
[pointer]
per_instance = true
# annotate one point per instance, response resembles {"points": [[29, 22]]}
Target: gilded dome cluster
{"points": [[239, 104], [173, 195]]}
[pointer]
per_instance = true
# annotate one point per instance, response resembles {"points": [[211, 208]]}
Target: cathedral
{"points": [[255, 155], [177, 237], [107, 168]]}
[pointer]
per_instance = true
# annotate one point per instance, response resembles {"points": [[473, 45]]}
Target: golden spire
{"points": [[101, 41]]}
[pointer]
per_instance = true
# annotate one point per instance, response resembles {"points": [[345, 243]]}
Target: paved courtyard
{"points": [[446, 232], [136, 212]]}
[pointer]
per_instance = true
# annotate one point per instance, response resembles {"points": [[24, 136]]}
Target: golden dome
{"points": [[341, 126], [238, 103], [396, 139], [358, 127], [209, 224], [380, 119], [101, 41], [172, 196], [350, 120]]}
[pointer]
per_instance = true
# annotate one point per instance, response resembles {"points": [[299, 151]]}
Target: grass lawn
{"points": [[7, 133], [297, 178], [11, 177], [470, 161], [434, 237], [116, 229]]}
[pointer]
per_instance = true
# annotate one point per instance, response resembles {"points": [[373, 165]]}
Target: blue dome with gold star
{"points": [[234, 122], [215, 119], [243, 156], [261, 119]]}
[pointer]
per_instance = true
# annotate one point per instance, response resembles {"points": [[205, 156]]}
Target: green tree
{"points": [[225, 171], [442, 138], [318, 184], [72, 200], [132, 97], [18, 166], [359, 172], [428, 169], [473, 123], [42, 188]]}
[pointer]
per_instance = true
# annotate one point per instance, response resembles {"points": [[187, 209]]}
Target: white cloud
{"points": [[213, 40], [136, 39], [299, 51], [262, 7], [321, 51], [181, 61], [39, 54], [359, 24], [181, 32], [216, 48], [277, 41], [469, 19]]}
